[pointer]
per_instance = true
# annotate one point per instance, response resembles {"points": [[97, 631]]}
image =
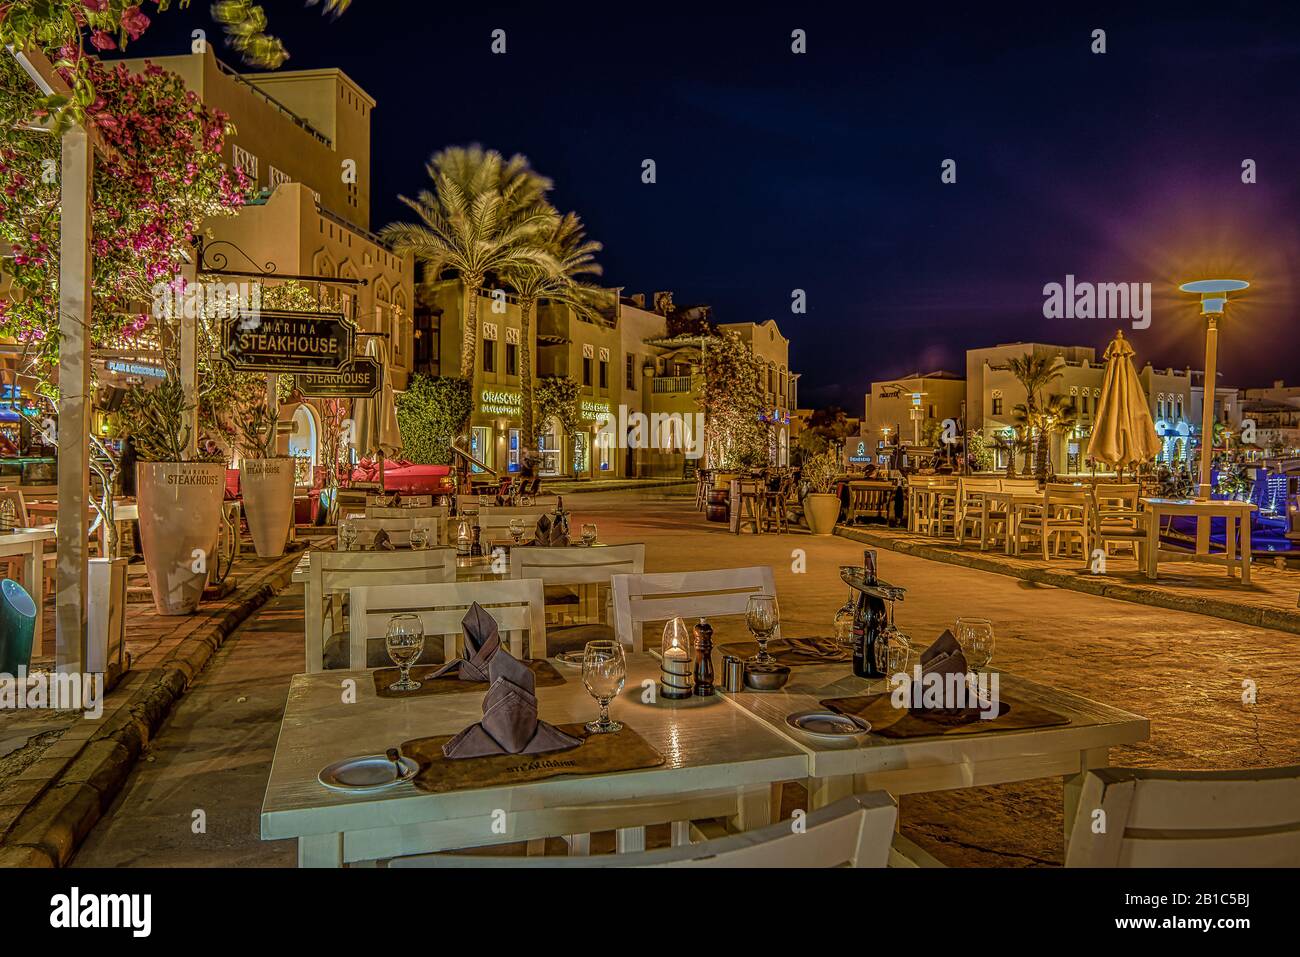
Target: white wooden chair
{"points": [[407, 501], [705, 594], [329, 573], [432, 512], [853, 832], [519, 608], [975, 512], [1064, 512], [587, 569], [1214, 819], [1116, 516], [398, 529], [494, 522]]}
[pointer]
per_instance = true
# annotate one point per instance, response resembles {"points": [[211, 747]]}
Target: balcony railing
{"points": [[672, 383]]}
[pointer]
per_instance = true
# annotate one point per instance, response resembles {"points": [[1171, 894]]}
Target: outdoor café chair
{"points": [[1117, 517], [690, 595], [1063, 512], [587, 570], [1216, 819], [853, 832]]}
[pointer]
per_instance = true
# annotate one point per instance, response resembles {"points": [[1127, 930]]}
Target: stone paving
{"points": [[1183, 670]]}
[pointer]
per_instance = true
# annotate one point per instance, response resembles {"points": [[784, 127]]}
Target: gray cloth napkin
{"points": [[550, 533], [943, 658], [482, 642], [509, 724], [382, 543]]}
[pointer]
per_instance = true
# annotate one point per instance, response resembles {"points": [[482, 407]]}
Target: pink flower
{"points": [[102, 41], [95, 6], [134, 22]]}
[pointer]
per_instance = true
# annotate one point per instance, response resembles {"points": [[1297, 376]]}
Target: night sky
{"points": [[821, 171]]}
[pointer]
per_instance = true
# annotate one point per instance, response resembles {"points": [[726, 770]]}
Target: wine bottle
{"points": [[869, 618]]}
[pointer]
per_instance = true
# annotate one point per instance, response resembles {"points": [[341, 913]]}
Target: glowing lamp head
{"points": [[676, 641], [1214, 293]]}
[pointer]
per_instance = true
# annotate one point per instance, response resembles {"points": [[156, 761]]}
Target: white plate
{"points": [[827, 724], [372, 772], [573, 658]]}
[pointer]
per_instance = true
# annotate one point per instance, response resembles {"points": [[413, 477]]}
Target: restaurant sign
{"points": [[284, 341], [500, 402], [360, 379]]}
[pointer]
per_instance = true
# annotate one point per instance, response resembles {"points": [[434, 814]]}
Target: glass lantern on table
{"points": [[676, 661]]}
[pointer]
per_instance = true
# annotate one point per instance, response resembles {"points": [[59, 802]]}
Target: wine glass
{"points": [[893, 650], [844, 619], [347, 536], [589, 534], [517, 529], [763, 617], [404, 641], [604, 669], [975, 635], [419, 536]]}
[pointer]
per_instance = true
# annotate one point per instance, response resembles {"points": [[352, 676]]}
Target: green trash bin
{"points": [[17, 626]]}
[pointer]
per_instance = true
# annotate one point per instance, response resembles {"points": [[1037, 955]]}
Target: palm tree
{"points": [[484, 214], [1058, 416], [1034, 372], [573, 255]]}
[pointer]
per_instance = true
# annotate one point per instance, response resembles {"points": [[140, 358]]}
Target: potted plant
{"points": [[266, 480], [179, 497], [820, 506]]}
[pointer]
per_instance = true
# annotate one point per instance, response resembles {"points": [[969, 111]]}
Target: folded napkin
{"points": [[510, 724], [482, 642], [942, 658], [550, 533], [382, 542]]}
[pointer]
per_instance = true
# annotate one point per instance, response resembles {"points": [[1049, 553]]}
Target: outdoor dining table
{"points": [[1236, 516], [730, 748], [838, 768], [716, 756], [29, 545]]}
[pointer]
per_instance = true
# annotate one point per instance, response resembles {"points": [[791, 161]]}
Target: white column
{"points": [[74, 401]]}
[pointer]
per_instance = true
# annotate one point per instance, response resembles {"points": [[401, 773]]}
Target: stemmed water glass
{"points": [[975, 635], [589, 534], [419, 536], [517, 529], [844, 618], [604, 669], [763, 618], [347, 535], [404, 641], [892, 651]]}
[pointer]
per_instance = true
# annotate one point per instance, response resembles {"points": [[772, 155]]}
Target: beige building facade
{"points": [[303, 138]]}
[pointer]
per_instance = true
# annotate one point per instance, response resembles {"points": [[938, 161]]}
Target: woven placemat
{"points": [[793, 651], [891, 722], [547, 677], [623, 750]]}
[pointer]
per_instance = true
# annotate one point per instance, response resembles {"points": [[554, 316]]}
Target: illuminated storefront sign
{"points": [[500, 402], [596, 411]]}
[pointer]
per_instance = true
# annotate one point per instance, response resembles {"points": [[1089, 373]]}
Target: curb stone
{"points": [[1262, 617], [46, 831]]}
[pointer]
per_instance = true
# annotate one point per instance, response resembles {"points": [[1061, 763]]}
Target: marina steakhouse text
{"points": [[286, 343]]}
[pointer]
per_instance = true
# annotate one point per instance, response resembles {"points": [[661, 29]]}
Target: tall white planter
{"points": [[180, 508], [267, 487], [105, 613]]}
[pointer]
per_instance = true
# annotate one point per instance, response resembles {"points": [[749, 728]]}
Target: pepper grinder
{"points": [[703, 658]]}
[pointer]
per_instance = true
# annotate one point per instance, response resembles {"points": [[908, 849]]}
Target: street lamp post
{"points": [[1214, 297]]}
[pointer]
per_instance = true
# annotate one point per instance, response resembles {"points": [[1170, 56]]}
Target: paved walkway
{"points": [[1184, 671]]}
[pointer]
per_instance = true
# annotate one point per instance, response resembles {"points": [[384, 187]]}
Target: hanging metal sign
{"points": [[361, 379], [275, 340]]}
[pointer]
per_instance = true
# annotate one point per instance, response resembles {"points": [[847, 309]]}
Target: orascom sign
{"points": [[283, 341]]}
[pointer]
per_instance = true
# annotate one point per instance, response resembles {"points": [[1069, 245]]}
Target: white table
{"points": [[729, 750], [718, 760], [838, 768], [1236, 516], [29, 545]]}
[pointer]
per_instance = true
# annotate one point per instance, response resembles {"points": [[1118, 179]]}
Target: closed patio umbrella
{"points": [[377, 432], [1123, 433]]}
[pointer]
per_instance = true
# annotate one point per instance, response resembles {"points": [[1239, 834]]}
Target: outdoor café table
{"points": [[1236, 516], [718, 760], [1010, 504], [871, 762], [29, 545]]}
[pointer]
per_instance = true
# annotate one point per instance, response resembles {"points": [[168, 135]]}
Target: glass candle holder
{"points": [[676, 661]]}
